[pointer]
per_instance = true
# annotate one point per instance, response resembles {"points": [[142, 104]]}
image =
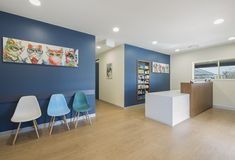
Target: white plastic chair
{"points": [[27, 109]]}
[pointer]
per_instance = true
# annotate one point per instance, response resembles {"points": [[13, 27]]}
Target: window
{"points": [[220, 69], [227, 69], [208, 70]]}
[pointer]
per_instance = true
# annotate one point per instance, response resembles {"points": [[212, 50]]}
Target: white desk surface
{"points": [[171, 93]]}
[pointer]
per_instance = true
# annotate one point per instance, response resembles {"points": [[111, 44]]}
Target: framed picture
{"points": [[109, 71], [160, 67], [20, 51]]}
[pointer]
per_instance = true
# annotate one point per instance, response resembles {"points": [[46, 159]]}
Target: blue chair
{"points": [[57, 107], [80, 105]]}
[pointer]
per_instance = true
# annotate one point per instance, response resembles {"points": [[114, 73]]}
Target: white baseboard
{"points": [[111, 103], [225, 107], [138, 105], [41, 126]]}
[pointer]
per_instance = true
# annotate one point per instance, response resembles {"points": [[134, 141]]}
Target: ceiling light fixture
{"points": [[219, 21], [116, 29], [154, 42], [98, 47], [35, 2], [231, 38], [177, 50]]}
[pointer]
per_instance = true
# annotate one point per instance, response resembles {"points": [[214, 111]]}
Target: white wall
{"points": [[181, 71], [112, 90]]}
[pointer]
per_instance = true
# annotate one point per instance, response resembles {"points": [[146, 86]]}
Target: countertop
{"points": [[171, 93]]}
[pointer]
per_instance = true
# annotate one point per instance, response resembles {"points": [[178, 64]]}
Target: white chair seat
{"points": [[24, 118], [27, 109]]}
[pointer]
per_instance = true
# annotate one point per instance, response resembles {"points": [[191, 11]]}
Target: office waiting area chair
{"points": [[80, 105], [27, 109], [57, 107]]}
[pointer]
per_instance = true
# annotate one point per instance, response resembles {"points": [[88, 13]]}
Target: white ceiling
{"points": [[104, 47], [173, 23]]}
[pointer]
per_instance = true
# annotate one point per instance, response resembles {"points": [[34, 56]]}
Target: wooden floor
{"points": [[119, 134]]}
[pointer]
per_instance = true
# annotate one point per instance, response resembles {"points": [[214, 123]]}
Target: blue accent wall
{"points": [[158, 81], [41, 80]]}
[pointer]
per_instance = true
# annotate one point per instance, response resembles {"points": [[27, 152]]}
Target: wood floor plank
{"points": [[125, 134]]}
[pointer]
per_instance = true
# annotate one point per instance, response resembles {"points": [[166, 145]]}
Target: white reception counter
{"points": [[168, 107]]}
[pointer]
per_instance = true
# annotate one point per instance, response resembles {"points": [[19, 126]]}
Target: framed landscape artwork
{"points": [[20, 51], [160, 67], [109, 71]]}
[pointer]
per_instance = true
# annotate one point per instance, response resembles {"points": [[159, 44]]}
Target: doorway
{"points": [[97, 79]]}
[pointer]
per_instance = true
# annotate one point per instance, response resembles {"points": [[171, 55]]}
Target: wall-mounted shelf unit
{"points": [[143, 79]]}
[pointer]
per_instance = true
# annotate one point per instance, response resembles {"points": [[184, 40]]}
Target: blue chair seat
{"points": [[83, 108], [80, 105], [57, 107], [59, 112]]}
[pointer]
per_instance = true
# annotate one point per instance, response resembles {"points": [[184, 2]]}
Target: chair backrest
{"points": [[57, 105], [79, 99], [27, 109]]}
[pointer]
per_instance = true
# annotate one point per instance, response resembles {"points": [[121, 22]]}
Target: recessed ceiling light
{"points": [[35, 2], [115, 29], [219, 21], [154, 42], [98, 47], [177, 50], [231, 38]]}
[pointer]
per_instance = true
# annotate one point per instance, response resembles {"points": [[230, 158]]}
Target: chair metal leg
{"points": [[86, 117], [36, 124], [52, 125], [65, 121], [49, 125], [89, 118], [75, 117], [17, 131], [76, 122], [71, 119], [36, 127]]}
